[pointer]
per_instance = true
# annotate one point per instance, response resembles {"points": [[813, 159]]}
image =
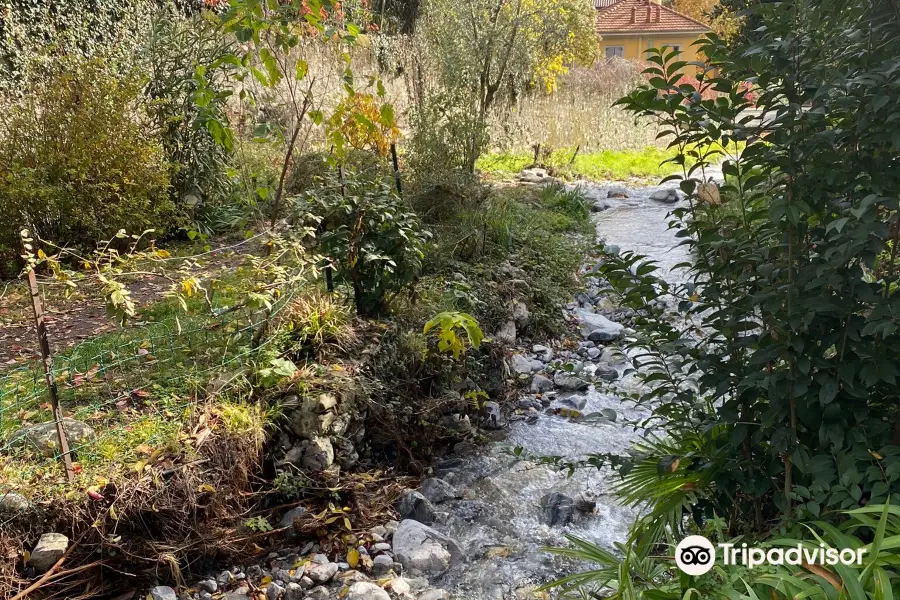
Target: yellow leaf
{"points": [[205, 488], [163, 253], [353, 557], [265, 580], [41, 254], [876, 455], [112, 513], [27, 556]]}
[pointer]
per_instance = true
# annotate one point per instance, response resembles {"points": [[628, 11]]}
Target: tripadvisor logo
{"points": [[696, 555]]}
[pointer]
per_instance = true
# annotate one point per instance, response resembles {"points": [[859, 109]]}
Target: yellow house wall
{"points": [[634, 46]]}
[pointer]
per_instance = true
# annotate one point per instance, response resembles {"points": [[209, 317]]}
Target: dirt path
{"points": [[83, 316]]}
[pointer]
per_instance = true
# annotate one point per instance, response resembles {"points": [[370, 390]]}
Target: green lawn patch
{"points": [[602, 165]]}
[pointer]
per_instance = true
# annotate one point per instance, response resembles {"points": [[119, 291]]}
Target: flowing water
{"points": [[500, 523]]}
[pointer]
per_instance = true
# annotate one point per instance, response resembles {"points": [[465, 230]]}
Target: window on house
{"points": [[615, 52]]}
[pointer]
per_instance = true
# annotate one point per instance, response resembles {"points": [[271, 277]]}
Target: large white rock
{"points": [[570, 382], [669, 196], [365, 590], [423, 551], [48, 550], [593, 323]]}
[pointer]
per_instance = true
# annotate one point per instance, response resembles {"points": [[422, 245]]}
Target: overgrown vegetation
{"points": [[774, 384], [78, 165], [246, 139]]}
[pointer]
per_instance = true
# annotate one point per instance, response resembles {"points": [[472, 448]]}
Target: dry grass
{"points": [[579, 114], [176, 508]]}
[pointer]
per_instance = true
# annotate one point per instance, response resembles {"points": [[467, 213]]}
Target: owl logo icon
{"points": [[695, 555]]}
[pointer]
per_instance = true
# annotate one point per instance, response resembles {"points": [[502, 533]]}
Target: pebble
{"points": [[274, 591], [162, 592], [322, 573], [379, 531], [293, 591], [363, 590], [209, 585], [382, 565]]}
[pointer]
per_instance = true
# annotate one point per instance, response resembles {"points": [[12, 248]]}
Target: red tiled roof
{"points": [[627, 16]]}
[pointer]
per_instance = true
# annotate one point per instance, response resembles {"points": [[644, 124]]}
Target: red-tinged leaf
{"points": [[94, 495]]}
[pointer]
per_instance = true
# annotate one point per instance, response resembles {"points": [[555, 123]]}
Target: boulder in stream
{"points": [[606, 373], [492, 416], [559, 509], [413, 505], [424, 551], [669, 196], [437, 490], [541, 384], [570, 382]]}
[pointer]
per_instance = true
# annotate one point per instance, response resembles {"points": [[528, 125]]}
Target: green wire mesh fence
{"points": [[134, 387]]}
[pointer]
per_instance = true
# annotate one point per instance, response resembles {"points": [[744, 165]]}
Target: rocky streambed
{"points": [[477, 529]]}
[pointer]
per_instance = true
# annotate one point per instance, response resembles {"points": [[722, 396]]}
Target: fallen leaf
{"points": [[353, 557]]}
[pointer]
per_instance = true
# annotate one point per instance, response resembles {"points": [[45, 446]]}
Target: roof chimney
{"points": [[648, 13], [633, 14], [656, 17]]}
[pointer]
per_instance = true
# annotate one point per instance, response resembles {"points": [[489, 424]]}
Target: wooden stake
{"points": [[47, 360], [396, 169]]}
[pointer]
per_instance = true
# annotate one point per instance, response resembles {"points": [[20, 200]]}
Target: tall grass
{"points": [[580, 113]]}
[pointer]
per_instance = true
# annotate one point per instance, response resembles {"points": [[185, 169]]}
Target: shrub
{"points": [[373, 239], [77, 162], [173, 50], [791, 364], [316, 321], [572, 203]]}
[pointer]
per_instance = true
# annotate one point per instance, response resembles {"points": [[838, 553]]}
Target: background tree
{"points": [[720, 18], [483, 52]]}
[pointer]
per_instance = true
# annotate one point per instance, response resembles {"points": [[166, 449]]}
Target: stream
{"points": [[500, 522]]}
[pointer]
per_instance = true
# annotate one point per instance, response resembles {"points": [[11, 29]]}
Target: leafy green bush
{"points": [[373, 239], [786, 360], [77, 162]]}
